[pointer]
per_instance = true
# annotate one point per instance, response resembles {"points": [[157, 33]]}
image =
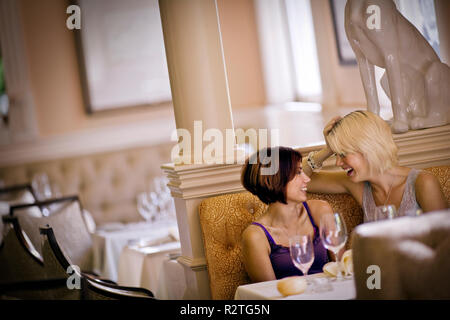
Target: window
{"points": [[288, 50], [303, 50]]}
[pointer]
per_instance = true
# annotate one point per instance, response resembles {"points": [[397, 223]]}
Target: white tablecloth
{"points": [[151, 268], [172, 284], [109, 242], [267, 290]]}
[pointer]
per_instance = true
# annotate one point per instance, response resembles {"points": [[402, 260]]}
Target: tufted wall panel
{"points": [[107, 183]]}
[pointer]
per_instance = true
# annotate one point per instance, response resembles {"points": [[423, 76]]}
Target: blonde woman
{"points": [[366, 152]]}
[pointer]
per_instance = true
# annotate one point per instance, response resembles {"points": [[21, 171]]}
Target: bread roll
{"points": [[292, 285]]}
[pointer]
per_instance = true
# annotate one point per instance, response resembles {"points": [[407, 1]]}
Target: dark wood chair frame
{"points": [[87, 280], [43, 284], [18, 187], [41, 204]]}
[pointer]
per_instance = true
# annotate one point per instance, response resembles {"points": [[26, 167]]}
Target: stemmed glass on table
{"points": [[146, 207], [333, 233], [385, 212], [302, 253], [44, 190], [156, 204]]}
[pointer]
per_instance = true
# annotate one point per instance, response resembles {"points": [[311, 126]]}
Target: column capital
{"points": [[202, 181]]}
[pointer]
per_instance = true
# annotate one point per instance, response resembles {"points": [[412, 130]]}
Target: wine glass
{"points": [[333, 233], [145, 207], [385, 212], [40, 184], [302, 252], [413, 212]]}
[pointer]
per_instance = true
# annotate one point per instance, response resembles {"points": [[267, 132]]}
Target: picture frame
{"points": [[120, 48], [345, 51]]}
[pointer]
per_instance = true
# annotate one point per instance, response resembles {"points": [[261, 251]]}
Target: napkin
{"points": [[151, 242], [292, 285], [331, 268], [347, 262], [173, 232]]}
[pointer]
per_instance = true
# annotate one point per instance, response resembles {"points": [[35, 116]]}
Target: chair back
{"points": [[19, 260], [14, 195], [57, 265], [68, 225], [22, 272], [224, 218], [404, 258]]}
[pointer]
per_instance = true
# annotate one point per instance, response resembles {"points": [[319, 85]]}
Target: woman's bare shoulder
{"points": [[426, 180], [318, 205], [252, 233], [319, 208]]}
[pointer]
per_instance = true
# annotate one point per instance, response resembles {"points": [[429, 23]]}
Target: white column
{"points": [[200, 92], [196, 64]]}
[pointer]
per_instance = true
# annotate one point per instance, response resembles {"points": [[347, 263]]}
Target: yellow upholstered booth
{"points": [[442, 173], [223, 219]]}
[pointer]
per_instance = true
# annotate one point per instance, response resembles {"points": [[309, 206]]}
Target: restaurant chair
{"points": [[13, 195], [404, 258], [16, 194], [224, 218], [57, 265], [22, 273], [68, 223]]}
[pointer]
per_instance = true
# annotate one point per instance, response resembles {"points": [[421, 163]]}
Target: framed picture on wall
{"points": [[345, 51], [122, 56]]}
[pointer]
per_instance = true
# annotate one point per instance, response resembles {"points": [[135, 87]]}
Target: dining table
{"points": [[109, 241], [153, 267], [327, 288]]}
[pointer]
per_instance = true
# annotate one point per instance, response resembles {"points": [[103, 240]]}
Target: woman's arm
{"points": [[429, 194], [255, 249], [325, 182]]}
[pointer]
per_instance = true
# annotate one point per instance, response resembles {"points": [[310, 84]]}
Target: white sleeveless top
{"points": [[408, 204]]}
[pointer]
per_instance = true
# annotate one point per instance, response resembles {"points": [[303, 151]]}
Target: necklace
{"points": [[389, 192]]}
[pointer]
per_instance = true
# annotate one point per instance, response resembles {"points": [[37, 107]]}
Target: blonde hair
{"points": [[366, 133]]}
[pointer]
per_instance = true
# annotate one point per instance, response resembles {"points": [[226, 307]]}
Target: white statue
{"points": [[416, 81]]}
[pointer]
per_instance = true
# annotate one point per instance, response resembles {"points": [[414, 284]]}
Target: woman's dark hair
{"points": [[272, 187]]}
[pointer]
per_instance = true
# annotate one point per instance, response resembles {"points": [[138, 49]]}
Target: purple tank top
{"points": [[280, 256]]}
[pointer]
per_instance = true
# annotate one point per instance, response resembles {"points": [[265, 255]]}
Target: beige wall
{"points": [[342, 86], [241, 49], [55, 77]]}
